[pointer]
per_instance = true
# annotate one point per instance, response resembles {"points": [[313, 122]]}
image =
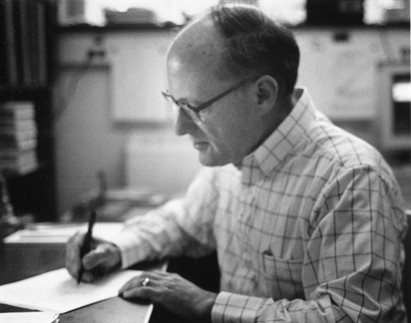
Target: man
{"points": [[306, 219]]}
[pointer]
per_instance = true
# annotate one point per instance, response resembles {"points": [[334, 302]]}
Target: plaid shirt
{"points": [[308, 230]]}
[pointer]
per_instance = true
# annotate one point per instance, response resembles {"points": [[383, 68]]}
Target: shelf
{"points": [[30, 40], [79, 28], [19, 90], [401, 25]]}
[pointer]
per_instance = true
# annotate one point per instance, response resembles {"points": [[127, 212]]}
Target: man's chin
{"points": [[208, 159], [205, 161]]}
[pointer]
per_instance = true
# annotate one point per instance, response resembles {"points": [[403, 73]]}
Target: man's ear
{"points": [[267, 93]]}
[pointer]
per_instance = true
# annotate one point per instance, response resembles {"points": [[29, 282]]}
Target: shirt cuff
{"points": [[229, 307], [130, 254]]}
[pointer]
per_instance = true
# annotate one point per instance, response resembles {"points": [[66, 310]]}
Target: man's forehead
{"points": [[197, 44]]}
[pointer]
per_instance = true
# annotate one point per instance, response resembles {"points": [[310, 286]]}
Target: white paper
{"points": [[58, 233], [28, 317], [56, 291]]}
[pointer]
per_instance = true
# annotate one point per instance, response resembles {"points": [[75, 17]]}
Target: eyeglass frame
{"points": [[194, 112]]}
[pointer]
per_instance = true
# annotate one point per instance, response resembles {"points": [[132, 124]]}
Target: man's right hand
{"points": [[102, 258]]}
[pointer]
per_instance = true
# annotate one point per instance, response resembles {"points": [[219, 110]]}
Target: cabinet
{"points": [[27, 57]]}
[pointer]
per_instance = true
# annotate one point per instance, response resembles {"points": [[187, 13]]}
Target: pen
{"points": [[86, 246]]}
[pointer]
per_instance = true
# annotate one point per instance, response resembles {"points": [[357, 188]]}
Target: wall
{"points": [[92, 128], [86, 139], [90, 134]]}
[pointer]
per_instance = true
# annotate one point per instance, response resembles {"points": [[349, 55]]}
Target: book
{"points": [[17, 110], [14, 143], [10, 125], [41, 11], [24, 42], [19, 168], [18, 137], [11, 61], [3, 44], [16, 114], [18, 134], [26, 67], [20, 162], [20, 157], [13, 154], [31, 7], [17, 41]]}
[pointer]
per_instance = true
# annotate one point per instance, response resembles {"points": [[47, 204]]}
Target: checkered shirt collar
{"points": [[272, 152]]}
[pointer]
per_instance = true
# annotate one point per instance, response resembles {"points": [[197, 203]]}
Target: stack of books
{"points": [[18, 137]]}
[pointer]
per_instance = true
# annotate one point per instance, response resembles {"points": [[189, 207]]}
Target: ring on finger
{"points": [[145, 281]]}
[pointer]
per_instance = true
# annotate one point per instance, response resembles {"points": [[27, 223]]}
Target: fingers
{"points": [[171, 291], [132, 284], [96, 257], [73, 261], [150, 285], [145, 286], [146, 279], [105, 256], [73, 254]]}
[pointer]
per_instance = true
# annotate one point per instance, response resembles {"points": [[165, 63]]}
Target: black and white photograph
{"points": [[205, 161]]}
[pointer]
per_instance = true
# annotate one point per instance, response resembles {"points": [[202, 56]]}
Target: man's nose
{"points": [[184, 124]]}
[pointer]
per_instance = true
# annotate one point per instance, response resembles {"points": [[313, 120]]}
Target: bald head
{"points": [[238, 41], [197, 47]]}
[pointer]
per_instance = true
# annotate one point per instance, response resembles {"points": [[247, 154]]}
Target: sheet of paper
{"points": [[60, 233], [29, 317], [56, 291]]}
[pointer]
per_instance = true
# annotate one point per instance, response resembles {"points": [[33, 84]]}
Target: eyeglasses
{"points": [[194, 112]]}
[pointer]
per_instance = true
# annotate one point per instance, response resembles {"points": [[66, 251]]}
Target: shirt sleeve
{"points": [[180, 227], [353, 260]]}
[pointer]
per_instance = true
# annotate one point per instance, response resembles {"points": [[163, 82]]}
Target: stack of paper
{"points": [[58, 292]]}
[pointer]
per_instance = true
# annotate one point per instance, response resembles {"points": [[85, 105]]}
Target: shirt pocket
{"points": [[282, 277]]}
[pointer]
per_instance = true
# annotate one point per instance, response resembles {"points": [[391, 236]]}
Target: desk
{"points": [[20, 261], [26, 260]]}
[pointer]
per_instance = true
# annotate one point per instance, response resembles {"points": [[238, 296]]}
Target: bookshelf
{"points": [[27, 47]]}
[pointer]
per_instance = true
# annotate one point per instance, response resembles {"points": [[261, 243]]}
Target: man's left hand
{"points": [[172, 292]]}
